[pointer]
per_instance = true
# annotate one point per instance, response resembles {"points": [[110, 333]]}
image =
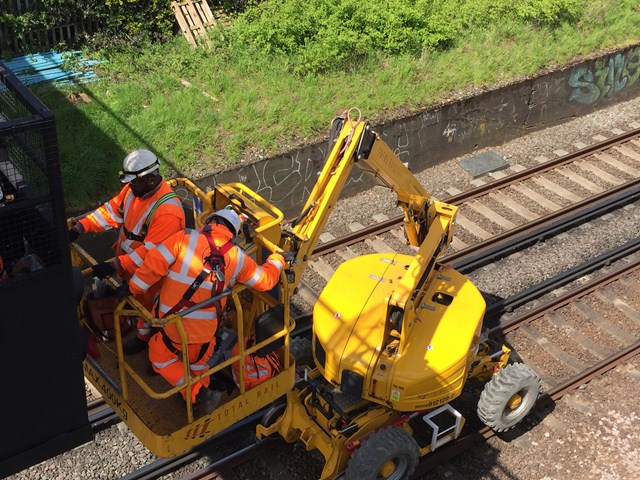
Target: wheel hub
{"points": [[388, 468], [514, 402]]}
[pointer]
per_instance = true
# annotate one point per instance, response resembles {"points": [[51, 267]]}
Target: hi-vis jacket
{"points": [[181, 258], [161, 212]]}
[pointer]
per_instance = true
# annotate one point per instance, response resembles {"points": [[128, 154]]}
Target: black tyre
{"points": [[274, 412], [390, 454], [301, 351], [508, 397]]}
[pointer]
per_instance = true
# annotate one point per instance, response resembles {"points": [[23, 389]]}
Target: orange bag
{"points": [[256, 369], [100, 316]]}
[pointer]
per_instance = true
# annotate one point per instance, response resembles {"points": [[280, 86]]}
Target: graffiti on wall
{"points": [[468, 121], [287, 181], [446, 131], [607, 77]]}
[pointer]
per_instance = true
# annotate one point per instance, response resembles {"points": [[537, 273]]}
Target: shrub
{"points": [[322, 35]]}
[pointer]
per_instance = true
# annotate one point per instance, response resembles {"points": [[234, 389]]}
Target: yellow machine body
{"points": [[395, 336], [425, 364]]}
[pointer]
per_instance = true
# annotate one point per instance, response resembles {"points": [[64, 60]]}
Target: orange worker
{"points": [[196, 266], [147, 212]]}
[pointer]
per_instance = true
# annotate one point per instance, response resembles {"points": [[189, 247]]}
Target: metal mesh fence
{"points": [[31, 204]]}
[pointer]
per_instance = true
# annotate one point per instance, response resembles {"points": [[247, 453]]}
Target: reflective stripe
{"points": [[165, 364], [97, 216], [149, 245], [179, 382], [187, 258], [239, 264], [125, 244], [254, 278], [187, 280], [166, 254], [144, 331], [196, 315], [137, 259], [115, 215], [276, 263], [193, 366], [127, 202], [259, 373], [173, 201], [139, 283]]}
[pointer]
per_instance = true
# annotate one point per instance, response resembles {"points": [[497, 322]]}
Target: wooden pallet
{"points": [[194, 17]]}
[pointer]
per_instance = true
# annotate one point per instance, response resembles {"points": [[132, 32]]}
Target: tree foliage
{"points": [[117, 18]]}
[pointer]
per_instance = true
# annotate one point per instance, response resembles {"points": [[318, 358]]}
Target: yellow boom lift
{"points": [[395, 336]]}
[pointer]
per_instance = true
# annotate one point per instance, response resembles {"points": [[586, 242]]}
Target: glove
{"points": [[103, 270], [290, 257], [73, 235], [122, 291]]}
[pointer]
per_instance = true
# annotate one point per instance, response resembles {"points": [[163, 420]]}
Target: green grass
{"points": [[241, 104]]}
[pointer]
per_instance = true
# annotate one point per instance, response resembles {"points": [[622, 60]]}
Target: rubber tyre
{"points": [[274, 412], [300, 349], [516, 378], [390, 444]]}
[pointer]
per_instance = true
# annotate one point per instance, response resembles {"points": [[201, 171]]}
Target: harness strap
{"points": [[176, 351], [218, 253]]}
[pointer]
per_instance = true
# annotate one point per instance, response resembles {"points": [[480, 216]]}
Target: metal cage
{"points": [[43, 401]]}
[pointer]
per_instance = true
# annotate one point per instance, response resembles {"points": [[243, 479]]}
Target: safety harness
{"points": [[215, 263], [145, 226]]}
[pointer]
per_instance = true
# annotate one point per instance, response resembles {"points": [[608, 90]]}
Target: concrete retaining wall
{"points": [[459, 127]]}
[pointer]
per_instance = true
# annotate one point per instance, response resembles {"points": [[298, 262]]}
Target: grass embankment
{"points": [[277, 75]]}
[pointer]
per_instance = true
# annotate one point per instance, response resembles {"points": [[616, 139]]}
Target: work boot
{"points": [[206, 401], [135, 345]]}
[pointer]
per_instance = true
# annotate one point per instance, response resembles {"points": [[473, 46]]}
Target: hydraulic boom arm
{"points": [[354, 143]]}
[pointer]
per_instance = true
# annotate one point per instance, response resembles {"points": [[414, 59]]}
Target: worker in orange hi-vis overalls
{"points": [[147, 212], [195, 266]]}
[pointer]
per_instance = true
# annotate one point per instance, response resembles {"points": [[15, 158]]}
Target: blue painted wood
{"points": [[46, 67]]}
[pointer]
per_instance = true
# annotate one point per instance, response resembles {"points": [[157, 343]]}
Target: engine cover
{"points": [[420, 364]]}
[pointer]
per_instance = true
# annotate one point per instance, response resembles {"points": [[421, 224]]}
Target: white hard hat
{"points": [[232, 219], [137, 164]]}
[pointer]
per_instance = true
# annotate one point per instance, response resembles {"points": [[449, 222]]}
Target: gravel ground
{"points": [[593, 434]]}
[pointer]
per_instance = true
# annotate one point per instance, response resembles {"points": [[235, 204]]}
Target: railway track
{"points": [[569, 341], [551, 196], [494, 220]]}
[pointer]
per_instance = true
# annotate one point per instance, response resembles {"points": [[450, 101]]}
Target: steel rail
{"points": [[163, 466], [468, 195], [498, 308], [466, 442], [516, 239], [543, 228]]}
